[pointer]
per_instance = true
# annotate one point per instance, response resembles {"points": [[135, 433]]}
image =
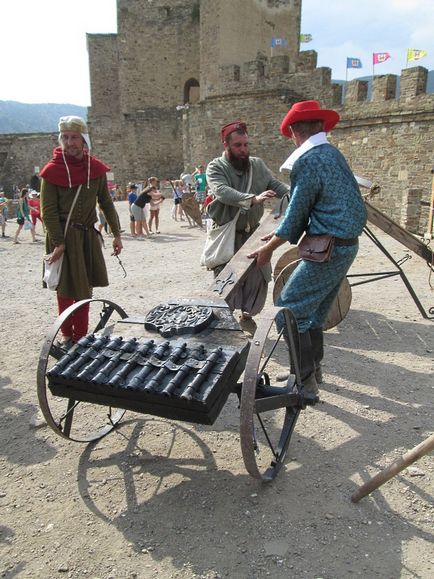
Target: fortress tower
{"points": [[232, 33], [168, 54]]}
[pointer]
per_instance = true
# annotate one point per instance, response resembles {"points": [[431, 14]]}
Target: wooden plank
{"points": [[239, 266], [398, 233], [236, 270]]}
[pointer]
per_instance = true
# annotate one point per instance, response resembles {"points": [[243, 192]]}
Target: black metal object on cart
{"points": [[186, 383]]}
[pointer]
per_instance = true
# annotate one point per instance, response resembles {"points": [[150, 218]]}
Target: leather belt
{"points": [[81, 226], [352, 241]]}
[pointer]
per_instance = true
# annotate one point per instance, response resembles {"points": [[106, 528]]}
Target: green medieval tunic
{"points": [[83, 263]]}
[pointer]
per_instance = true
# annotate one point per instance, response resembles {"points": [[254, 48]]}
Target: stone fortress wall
{"points": [[179, 69], [20, 154], [388, 138]]}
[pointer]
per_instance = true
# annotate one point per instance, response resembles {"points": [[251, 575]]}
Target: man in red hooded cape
{"points": [[83, 268]]}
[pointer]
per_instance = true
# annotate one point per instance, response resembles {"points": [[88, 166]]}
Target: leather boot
{"points": [[307, 365], [317, 341], [285, 374]]}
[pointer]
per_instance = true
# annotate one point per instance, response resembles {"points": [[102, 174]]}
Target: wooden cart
{"points": [[182, 361]]}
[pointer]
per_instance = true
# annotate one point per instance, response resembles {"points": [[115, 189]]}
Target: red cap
{"points": [[231, 127]]}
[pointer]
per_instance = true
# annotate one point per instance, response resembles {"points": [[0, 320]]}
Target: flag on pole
{"points": [[414, 54], [379, 57], [305, 37], [278, 42], [354, 62]]}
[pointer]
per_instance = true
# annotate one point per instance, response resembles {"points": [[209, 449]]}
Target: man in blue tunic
{"points": [[325, 199]]}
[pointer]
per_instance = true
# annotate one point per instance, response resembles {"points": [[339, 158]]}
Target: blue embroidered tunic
{"points": [[325, 197]]}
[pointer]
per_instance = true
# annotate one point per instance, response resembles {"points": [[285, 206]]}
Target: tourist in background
{"points": [[201, 186], [3, 212], [187, 180], [23, 215], [131, 197], [177, 199], [35, 208], [156, 199], [140, 214]]}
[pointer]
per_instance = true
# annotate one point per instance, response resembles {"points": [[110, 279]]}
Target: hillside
{"points": [[18, 117]]}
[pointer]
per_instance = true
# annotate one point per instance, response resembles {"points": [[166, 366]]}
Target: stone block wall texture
{"points": [[20, 154], [150, 65]]}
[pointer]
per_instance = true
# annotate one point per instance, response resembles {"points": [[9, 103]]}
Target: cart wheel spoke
{"points": [[74, 420], [268, 423]]}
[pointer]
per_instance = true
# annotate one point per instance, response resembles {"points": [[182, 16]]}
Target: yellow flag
{"points": [[414, 54]]}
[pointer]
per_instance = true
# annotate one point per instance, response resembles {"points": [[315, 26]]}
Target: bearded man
{"points": [[239, 181]]}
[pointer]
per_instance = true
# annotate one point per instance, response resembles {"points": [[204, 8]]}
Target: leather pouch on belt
{"points": [[316, 247]]}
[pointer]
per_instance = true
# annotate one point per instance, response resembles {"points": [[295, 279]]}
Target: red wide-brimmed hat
{"points": [[308, 111], [231, 127]]}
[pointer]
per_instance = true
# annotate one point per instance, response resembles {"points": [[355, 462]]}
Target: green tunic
{"points": [[83, 263], [229, 186]]}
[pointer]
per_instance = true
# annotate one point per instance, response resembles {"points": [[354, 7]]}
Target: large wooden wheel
{"points": [[341, 303], [286, 258], [267, 423], [71, 419]]}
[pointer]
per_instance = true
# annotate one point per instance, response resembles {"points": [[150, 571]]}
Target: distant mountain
{"points": [[429, 83], [18, 117]]}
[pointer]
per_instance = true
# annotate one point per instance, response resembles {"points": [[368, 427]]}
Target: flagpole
{"points": [[346, 83]]}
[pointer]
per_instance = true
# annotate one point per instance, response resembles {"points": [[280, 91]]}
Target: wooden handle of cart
{"points": [[239, 266], [379, 479]]}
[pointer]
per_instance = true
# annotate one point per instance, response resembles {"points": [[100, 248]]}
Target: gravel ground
{"points": [[160, 498]]}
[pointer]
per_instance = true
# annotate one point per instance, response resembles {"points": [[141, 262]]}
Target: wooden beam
{"points": [[398, 233], [237, 269], [379, 479]]}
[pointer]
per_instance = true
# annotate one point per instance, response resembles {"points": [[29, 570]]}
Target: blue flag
{"points": [[354, 63], [278, 42]]}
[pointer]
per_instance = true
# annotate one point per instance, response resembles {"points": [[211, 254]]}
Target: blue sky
{"points": [[46, 58]]}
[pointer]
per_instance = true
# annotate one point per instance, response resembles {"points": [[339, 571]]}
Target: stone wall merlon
{"points": [[348, 121]]}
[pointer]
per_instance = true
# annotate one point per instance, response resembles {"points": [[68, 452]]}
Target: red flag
{"points": [[378, 57]]}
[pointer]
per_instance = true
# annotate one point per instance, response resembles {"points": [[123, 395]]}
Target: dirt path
{"points": [[169, 499]]}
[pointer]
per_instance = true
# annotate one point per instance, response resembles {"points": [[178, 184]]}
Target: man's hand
{"points": [[262, 255], [117, 245], [268, 236], [259, 199], [56, 254]]}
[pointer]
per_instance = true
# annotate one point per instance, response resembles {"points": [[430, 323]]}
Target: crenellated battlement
{"points": [[281, 73]]}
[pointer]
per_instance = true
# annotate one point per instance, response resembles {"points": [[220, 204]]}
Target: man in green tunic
{"points": [[239, 181], [83, 265]]}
